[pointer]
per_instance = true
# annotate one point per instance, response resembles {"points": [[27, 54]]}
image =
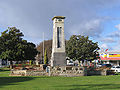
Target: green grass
{"points": [[59, 83]]}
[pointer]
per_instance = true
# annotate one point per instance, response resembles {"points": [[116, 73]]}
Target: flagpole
{"points": [[43, 47]]}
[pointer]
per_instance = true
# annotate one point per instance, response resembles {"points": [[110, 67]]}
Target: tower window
{"points": [[59, 19], [59, 37]]}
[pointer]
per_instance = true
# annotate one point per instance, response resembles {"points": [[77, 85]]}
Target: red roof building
{"points": [[110, 57]]}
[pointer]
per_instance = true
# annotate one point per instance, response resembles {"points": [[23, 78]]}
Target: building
{"points": [[4, 63], [112, 57]]}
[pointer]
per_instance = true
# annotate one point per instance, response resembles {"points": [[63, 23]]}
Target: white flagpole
{"points": [[43, 47]]}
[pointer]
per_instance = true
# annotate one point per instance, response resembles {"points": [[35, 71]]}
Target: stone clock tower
{"points": [[58, 57]]}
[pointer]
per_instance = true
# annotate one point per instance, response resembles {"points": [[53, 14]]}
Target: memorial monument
{"points": [[58, 57]]}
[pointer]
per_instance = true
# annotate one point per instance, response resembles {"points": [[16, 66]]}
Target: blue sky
{"points": [[98, 19]]}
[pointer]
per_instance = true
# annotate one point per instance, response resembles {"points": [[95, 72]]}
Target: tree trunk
{"points": [[11, 65]]}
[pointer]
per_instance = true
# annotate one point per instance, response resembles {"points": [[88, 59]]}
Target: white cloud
{"points": [[114, 34], [107, 40], [33, 17], [118, 26], [104, 46], [88, 28]]}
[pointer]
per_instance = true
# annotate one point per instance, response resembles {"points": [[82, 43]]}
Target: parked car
{"points": [[106, 65], [116, 68], [70, 63], [99, 65]]}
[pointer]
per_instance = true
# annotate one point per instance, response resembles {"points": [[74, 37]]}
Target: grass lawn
{"points": [[59, 83]]}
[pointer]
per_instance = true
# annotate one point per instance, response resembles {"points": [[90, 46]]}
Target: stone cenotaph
{"points": [[58, 57]]}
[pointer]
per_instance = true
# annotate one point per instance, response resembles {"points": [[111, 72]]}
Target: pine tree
{"points": [[45, 57]]}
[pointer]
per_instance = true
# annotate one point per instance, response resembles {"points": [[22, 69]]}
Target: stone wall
{"points": [[28, 73], [103, 72], [68, 71], [18, 73]]}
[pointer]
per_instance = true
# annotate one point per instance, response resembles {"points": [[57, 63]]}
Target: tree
{"points": [[30, 51], [14, 48], [45, 57], [81, 48], [48, 47]]}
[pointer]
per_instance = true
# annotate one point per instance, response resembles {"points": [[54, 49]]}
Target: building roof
{"points": [[111, 51], [58, 17], [110, 55], [110, 58]]}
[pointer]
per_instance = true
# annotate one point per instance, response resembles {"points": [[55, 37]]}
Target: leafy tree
{"points": [[14, 48], [81, 48], [30, 51], [45, 57]]}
